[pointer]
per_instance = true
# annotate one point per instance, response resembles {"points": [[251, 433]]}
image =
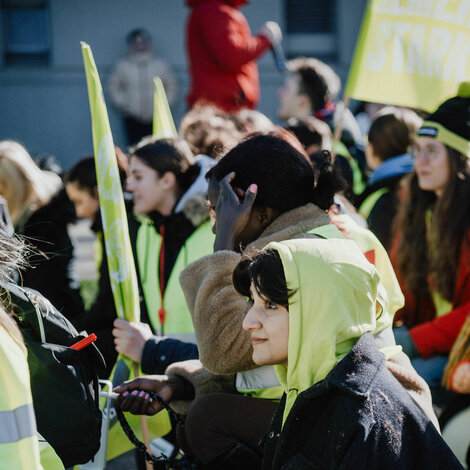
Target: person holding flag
{"points": [[169, 186], [122, 273]]}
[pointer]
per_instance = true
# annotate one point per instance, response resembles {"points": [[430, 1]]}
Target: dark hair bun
{"points": [[327, 179]]}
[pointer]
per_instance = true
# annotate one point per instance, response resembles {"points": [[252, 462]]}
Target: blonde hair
{"points": [[22, 183], [12, 249]]}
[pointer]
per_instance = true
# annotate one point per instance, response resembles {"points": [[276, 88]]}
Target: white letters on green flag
{"points": [[411, 52], [163, 124], [113, 213]]}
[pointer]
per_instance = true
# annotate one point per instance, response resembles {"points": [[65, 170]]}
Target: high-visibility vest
{"points": [[358, 183], [178, 323], [370, 201], [19, 447], [377, 255]]}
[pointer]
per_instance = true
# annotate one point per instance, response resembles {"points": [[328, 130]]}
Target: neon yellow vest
{"points": [[377, 255], [370, 201], [358, 184], [19, 447], [178, 322]]}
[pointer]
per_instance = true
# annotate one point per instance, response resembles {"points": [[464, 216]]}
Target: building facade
{"points": [[43, 96]]}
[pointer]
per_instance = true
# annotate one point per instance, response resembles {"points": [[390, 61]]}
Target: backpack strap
{"points": [[26, 306]]}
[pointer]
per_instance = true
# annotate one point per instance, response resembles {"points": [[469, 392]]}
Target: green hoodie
{"points": [[334, 303]]}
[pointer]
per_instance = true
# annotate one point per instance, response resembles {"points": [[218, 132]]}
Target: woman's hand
{"points": [[232, 215], [133, 396], [130, 338], [460, 378]]}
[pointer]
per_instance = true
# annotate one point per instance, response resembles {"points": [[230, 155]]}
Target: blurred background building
{"points": [[43, 96]]}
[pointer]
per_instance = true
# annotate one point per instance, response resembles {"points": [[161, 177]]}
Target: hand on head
{"points": [[233, 211], [130, 338]]}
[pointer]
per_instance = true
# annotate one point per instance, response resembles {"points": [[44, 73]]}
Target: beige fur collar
{"points": [[290, 225]]}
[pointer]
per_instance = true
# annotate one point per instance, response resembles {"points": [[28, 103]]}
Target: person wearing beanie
{"points": [[431, 249]]}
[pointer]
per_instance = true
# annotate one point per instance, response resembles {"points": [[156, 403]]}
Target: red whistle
{"points": [[83, 343]]}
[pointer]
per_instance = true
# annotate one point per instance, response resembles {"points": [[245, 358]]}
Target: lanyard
{"points": [[161, 277]]}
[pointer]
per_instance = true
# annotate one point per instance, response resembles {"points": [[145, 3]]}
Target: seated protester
{"points": [[390, 136], [252, 207], [40, 211], [21, 447], [431, 252], [341, 405], [82, 189], [168, 185]]}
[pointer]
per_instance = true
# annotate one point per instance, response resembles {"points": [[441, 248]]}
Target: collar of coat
{"points": [[290, 224], [355, 373]]}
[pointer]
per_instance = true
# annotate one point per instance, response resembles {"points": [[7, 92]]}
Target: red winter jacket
{"points": [[436, 335], [222, 55]]}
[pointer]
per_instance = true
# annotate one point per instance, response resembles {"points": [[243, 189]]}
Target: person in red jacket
{"points": [[432, 250], [222, 54]]}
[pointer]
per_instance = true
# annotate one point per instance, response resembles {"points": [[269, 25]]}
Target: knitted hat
{"points": [[450, 123]]}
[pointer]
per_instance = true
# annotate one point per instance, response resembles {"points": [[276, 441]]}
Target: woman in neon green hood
{"points": [[314, 306]]}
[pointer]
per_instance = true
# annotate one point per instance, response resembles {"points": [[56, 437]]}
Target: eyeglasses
{"points": [[430, 152]]}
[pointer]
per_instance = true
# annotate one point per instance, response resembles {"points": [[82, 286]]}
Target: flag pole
{"points": [[122, 273], [143, 424]]}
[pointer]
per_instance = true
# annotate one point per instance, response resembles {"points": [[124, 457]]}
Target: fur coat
{"points": [[218, 311]]}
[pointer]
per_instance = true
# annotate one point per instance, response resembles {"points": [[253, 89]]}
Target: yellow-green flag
{"points": [[163, 124], [122, 272], [411, 53], [121, 265]]}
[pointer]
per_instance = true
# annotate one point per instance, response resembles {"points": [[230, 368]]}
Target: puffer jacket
{"points": [[221, 53]]}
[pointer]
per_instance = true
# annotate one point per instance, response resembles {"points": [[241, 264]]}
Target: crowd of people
{"points": [[305, 302]]}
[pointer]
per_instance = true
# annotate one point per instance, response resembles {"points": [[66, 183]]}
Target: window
{"points": [[26, 32], [310, 27]]}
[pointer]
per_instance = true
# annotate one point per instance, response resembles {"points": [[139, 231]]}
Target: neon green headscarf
{"points": [[333, 305]]}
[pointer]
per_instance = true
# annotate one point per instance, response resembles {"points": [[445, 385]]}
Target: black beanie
{"points": [[450, 123]]}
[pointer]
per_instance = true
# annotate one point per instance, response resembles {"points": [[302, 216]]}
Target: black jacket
{"points": [[50, 264], [358, 417], [100, 316]]}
